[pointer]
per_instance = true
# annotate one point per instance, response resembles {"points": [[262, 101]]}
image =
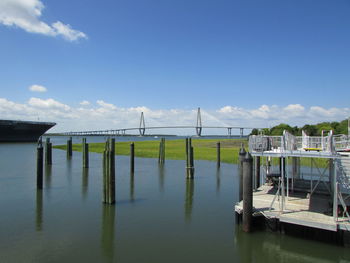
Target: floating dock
{"points": [[316, 197]]}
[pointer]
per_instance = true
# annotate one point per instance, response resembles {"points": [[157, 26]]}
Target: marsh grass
{"points": [[204, 149]]}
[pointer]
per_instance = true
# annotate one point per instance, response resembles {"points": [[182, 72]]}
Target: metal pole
{"points": [[282, 162], [335, 194]]}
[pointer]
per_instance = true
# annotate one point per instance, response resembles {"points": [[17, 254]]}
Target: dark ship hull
{"points": [[23, 131]]}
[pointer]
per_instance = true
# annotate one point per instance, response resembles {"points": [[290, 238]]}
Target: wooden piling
{"points": [[218, 158], [69, 148], [163, 151], [241, 156], [48, 152], [132, 158], [189, 159], [247, 192], [85, 148], [39, 165], [257, 171], [108, 161], [161, 156]]}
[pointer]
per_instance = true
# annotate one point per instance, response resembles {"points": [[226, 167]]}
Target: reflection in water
{"points": [[69, 170], [276, 247], [85, 182], [218, 175], [189, 199], [39, 210], [48, 173], [161, 177], [132, 187], [108, 231]]}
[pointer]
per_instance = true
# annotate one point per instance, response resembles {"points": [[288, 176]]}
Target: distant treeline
{"points": [[311, 130]]}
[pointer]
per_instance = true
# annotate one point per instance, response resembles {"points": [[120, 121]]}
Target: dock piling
{"points": [[257, 172], [218, 157], [132, 158], [85, 147], [48, 152], [109, 172], [39, 165], [241, 156], [161, 156], [247, 192], [189, 159], [69, 148]]}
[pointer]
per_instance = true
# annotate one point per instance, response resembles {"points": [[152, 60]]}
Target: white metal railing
{"points": [[341, 142], [289, 142], [261, 143]]}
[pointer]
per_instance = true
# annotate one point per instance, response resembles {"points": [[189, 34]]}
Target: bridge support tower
{"points": [[199, 123]]}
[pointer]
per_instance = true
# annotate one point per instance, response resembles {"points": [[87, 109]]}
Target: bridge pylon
{"points": [[142, 127], [199, 123]]}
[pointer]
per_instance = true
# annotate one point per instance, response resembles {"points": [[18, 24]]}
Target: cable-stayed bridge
{"points": [[142, 128]]}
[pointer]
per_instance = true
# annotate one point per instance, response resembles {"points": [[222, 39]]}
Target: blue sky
{"points": [[228, 57]]}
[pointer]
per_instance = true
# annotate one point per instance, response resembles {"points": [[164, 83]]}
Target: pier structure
{"points": [[315, 195], [142, 128]]}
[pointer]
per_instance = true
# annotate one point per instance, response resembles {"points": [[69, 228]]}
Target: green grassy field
{"points": [[204, 149]]}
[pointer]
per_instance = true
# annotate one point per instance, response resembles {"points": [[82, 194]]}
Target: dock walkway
{"points": [[300, 209]]}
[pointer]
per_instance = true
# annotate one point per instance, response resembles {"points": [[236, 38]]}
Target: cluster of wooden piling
{"points": [[189, 159], [109, 172], [109, 162], [161, 156]]}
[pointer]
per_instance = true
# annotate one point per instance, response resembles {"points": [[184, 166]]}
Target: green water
{"points": [[158, 217]]}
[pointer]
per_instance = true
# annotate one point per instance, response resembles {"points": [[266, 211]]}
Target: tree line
{"points": [[310, 129]]}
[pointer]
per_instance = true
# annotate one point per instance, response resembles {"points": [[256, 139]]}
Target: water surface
{"points": [[159, 215]]}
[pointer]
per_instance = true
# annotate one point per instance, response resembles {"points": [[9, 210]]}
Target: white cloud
{"points": [[106, 105], [47, 104], [37, 88], [85, 103], [67, 32], [105, 115], [25, 14]]}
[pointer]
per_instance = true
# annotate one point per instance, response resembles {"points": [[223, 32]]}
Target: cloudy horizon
{"points": [[101, 115]]}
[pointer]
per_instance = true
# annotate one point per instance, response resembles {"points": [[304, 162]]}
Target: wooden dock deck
{"points": [[300, 209]]}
